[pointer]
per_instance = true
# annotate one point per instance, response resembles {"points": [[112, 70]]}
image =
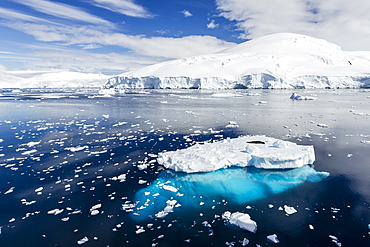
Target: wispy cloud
{"points": [[64, 11], [142, 45], [126, 7], [340, 21], [15, 15], [186, 13]]}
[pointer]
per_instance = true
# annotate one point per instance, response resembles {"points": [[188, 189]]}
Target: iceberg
{"points": [[258, 151], [207, 190]]}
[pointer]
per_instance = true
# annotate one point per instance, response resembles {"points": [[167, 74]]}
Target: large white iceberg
{"points": [[282, 60], [206, 190], [258, 151]]}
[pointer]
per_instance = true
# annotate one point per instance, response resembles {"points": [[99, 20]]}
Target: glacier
{"points": [[282, 60], [176, 191], [256, 150]]}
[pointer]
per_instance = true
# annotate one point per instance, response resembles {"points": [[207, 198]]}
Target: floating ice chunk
{"points": [[97, 206], [226, 95], [31, 144], [295, 96], [235, 185], [83, 240], [9, 191], [55, 211], [273, 239], [289, 210], [258, 151], [121, 178], [170, 188], [76, 149], [168, 209], [140, 229], [335, 240], [244, 242], [241, 220]]}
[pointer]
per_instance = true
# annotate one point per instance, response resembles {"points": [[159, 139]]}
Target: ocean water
{"points": [[74, 168]]}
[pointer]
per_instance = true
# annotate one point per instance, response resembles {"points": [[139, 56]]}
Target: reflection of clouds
{"points": [[237, 185]]}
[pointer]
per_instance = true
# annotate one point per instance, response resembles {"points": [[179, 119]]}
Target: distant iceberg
{"points": [[174, 191], [283, 60], [258, 151]]}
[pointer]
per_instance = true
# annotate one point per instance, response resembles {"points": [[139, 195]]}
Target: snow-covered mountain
{"points": [[283, 60], [50, 79]]}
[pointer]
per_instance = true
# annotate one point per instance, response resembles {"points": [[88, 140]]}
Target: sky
{"points": [[115, 36]]}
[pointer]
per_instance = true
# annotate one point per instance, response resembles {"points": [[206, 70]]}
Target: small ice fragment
{"points": [[335, 240], [273, 239], [242, 221], [11, 220], [322, 125], [9, 190], [295, 96], [39, 189], [245, 242], [96, 206], [82, 241], [311, 227], [289, 210], [170, 188], [105, 115], [271, 206], [140, 230], [55, 211], [94, 212]]}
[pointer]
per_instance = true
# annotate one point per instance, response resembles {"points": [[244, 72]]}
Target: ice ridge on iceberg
{"points": [[258, 151], [176, 191]]}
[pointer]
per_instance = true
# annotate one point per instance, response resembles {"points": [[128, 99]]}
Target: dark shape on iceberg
{"points": [[256, 142], [173, 191]]}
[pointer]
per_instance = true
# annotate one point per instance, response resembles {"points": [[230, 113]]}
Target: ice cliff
{"points": [[281, 60]]}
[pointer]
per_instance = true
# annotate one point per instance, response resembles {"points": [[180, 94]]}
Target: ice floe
{"points": [[273, 239], [240, 220], [258, 151], [296, 96]]}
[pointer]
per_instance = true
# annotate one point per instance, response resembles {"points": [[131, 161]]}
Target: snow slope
{"points": [[283, 60], [50, 79]]}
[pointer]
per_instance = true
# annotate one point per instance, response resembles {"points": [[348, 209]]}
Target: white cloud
{"points": [[146, 46], [212, 25], [340, 21], [63, 11], [3, 68], [126, 7], [186, 13], [14, 15]]}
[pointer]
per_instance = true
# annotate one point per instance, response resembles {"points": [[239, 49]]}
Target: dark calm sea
{"points": [[71, 165]]}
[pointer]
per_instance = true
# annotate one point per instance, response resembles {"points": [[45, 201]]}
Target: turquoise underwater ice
{"points": [[236, 185]]}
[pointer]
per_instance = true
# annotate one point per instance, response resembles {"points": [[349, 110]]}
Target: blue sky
{"points": [[114, 36]]}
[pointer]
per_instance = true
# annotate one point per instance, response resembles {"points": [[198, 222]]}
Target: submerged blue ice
{"points": [[173, 191]]}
